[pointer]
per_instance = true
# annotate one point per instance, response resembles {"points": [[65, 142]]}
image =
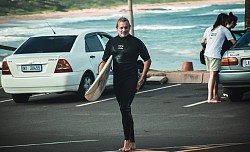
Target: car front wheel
{"points": [[20, 98]]}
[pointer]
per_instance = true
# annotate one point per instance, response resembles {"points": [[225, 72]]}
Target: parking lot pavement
{"points": [[172, 117]]}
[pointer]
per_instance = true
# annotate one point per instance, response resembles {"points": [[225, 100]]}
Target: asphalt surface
{"points": [[169, 118]]}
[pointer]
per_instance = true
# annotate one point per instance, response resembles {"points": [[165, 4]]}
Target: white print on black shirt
{"points": [[120, 47]]}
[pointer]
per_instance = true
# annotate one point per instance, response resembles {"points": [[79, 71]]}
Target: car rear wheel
{"points": [[86, 82], [20, 98], [235, 95]]}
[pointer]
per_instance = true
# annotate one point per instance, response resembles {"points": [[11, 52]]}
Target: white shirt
{"points": [[215, 40]]}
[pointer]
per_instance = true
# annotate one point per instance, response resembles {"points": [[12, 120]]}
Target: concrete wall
{"points": [[182, 77], [178, 77]]}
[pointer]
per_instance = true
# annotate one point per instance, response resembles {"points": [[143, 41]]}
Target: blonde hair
{"points": [[122, 19]]}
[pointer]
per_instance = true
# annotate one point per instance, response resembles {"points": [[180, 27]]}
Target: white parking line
{"points": [[6, 100], [198, 103], [195, 104], [52, 143], [158, 88], [90, 103]]}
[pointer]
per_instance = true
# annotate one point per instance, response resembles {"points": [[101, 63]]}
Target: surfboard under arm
{"points": [[98, 86]]}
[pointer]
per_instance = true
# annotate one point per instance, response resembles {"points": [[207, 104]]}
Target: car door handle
{"points": [[92, 56]]}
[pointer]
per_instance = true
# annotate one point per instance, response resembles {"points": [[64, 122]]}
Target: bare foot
{"points": [[214, 101], [218, 99], [126, 147], [132, 145]]}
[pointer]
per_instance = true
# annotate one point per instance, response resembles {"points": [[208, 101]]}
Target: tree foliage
{"points": [[14, 7]]}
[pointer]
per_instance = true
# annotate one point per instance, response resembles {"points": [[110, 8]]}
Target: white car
{"points": [[235, 69], [54, 64]]}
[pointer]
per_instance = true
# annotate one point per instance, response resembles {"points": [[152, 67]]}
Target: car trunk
{"points": [[25, 65], [243, 57]]}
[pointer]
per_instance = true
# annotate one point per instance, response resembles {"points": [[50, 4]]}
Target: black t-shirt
{"points": [[125, 53], [227, 44]]}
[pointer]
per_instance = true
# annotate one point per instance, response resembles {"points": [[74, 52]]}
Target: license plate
{"points": [[31, 68], [246, 63]]}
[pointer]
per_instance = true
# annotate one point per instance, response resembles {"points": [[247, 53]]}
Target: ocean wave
{"points": [[4, 54], [166, 11], [186, 53], [161, 27], [12, 38], [217, 11], [173, 51], [84, 19], [240, 24], [236, 10], [172, 9], [26, 30], [23, 33]]}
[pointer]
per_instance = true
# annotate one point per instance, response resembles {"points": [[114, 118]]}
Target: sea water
{"points": [[171, 34]]}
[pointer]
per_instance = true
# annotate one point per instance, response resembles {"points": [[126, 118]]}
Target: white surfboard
{"points": [[98, 86]]}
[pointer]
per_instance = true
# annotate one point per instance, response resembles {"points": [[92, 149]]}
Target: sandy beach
{"points": [[113, 10]]}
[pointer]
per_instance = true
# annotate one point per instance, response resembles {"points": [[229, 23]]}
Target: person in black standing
{"points": [[231, 23], [125, 50]]}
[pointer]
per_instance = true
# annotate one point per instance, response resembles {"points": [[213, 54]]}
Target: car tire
{"points": [[86, 81], [235, 95], [140, 69], [20, 98]]}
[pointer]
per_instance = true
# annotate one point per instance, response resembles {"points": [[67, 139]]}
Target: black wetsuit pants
{"points": [[125, 89]]}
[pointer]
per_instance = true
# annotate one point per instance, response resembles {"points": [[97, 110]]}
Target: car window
{"points": [[105, 38], [47, 44], [238, 34], [93, 44], [243, 42]]}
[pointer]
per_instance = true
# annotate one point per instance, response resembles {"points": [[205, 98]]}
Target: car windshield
{"points": [[243, 42], [47, 44], [238, 33]]}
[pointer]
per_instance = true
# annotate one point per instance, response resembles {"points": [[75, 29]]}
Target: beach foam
{"points": [[162, 27]]}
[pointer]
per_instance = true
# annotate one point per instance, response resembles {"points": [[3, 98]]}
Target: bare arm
{"points": [[144, 73], [233, 41], [203, 42]]}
